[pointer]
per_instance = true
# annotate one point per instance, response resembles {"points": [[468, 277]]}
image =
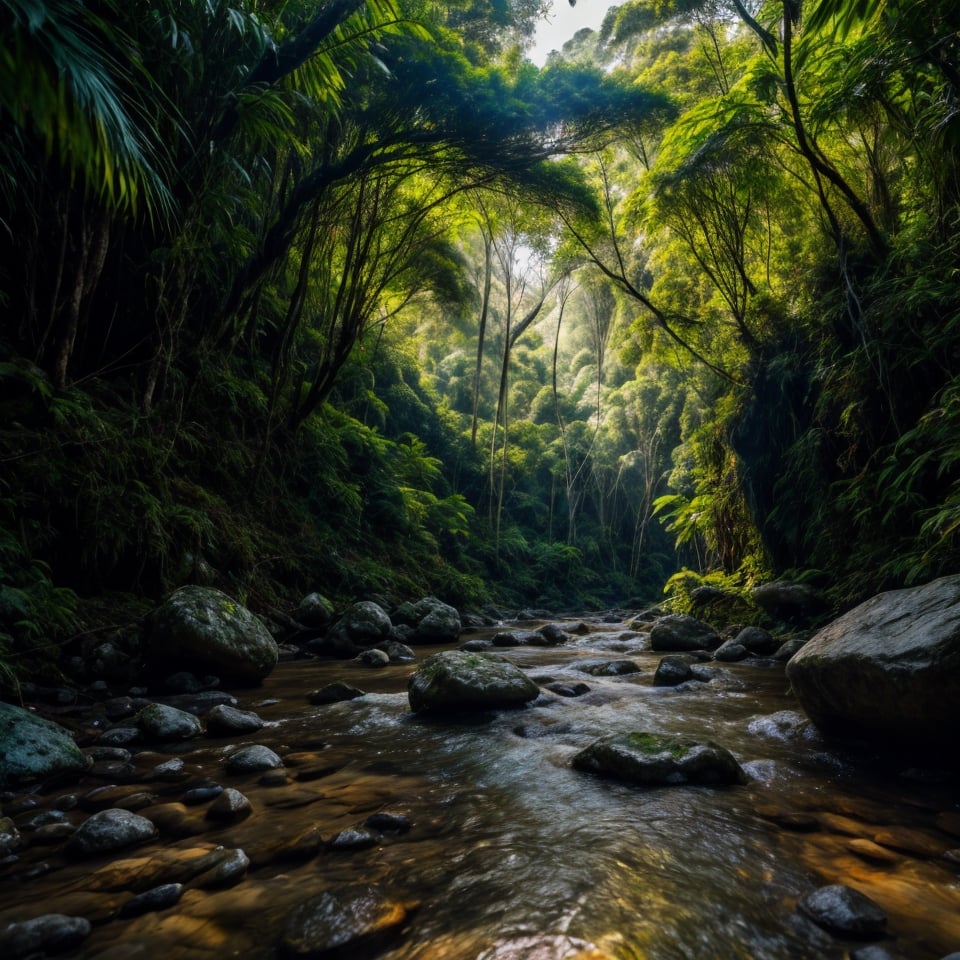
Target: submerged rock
{"points": [[889, 667], [607, 668], [455, 681], [334, 693], [356, 918], [844, 911], [649, 758], [208, 630], [32, 748]]}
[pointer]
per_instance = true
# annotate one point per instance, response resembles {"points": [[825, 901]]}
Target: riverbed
{"points": [[507, 853]]}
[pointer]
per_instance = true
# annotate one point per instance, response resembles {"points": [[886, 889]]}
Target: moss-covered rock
{"points": [[32, 748], [206, 630], [650, 759], [457, 681]]}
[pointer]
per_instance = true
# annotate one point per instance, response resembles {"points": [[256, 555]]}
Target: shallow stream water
{"points": [[513, 855]]}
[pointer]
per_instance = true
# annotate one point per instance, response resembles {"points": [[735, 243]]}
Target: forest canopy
{"points": [[351, 296]]}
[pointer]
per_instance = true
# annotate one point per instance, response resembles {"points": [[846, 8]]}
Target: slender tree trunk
{"points": [[482, 332], [92, 241]]}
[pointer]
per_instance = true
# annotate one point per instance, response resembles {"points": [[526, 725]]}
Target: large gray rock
{"points": [[890, 666], [649, 759], [363, 625], [678, 631], [32, 748], [431, 620], [204, 629], [456, 681], [109, 830]]}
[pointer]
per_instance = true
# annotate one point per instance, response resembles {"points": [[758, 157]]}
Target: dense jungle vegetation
{"points": [[350, 296]]}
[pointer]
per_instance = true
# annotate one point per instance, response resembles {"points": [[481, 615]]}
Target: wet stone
{"points": [[649, 758], [162, 722], [112, 795], [50, 933], [110, 830], [607, 668], [171, 770], [51, 834], [844, 911], [158, 898], [562, 689], [224, 720], [374, 658], [454, 681], [355, 838], [253, 759], [671, 671], [388, 822], [350, 920], [230, 869], [99, 753], [198, 795], [334, 693], [119, 708], [117, 771], [41, 819], [230, 805], [119, 736]]}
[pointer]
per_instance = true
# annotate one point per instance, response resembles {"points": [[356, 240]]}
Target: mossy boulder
{"points": [[459, 681], [205, 630], [431, 621], [650, 759], [679, 631], [888, 669], [34, 749]]}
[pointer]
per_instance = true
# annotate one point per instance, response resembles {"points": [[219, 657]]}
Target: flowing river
{"points": [[510, 853]]}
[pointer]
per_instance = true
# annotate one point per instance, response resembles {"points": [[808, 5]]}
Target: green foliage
{"points": [[734, 605], [36, 617]]}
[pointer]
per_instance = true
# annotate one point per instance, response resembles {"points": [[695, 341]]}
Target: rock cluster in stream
{"points": [[148, 797]]}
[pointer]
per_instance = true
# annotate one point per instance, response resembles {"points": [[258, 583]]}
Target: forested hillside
{"points": [[350, 296]]}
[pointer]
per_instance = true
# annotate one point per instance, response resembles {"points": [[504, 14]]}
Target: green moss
{"points": [[652, 743]]}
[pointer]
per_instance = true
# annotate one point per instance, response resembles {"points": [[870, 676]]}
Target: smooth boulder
{"points": [[889, 668], [456, 681], [844, 911], [679, 631], [205, 629], [650, 759], [32, 748]]}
